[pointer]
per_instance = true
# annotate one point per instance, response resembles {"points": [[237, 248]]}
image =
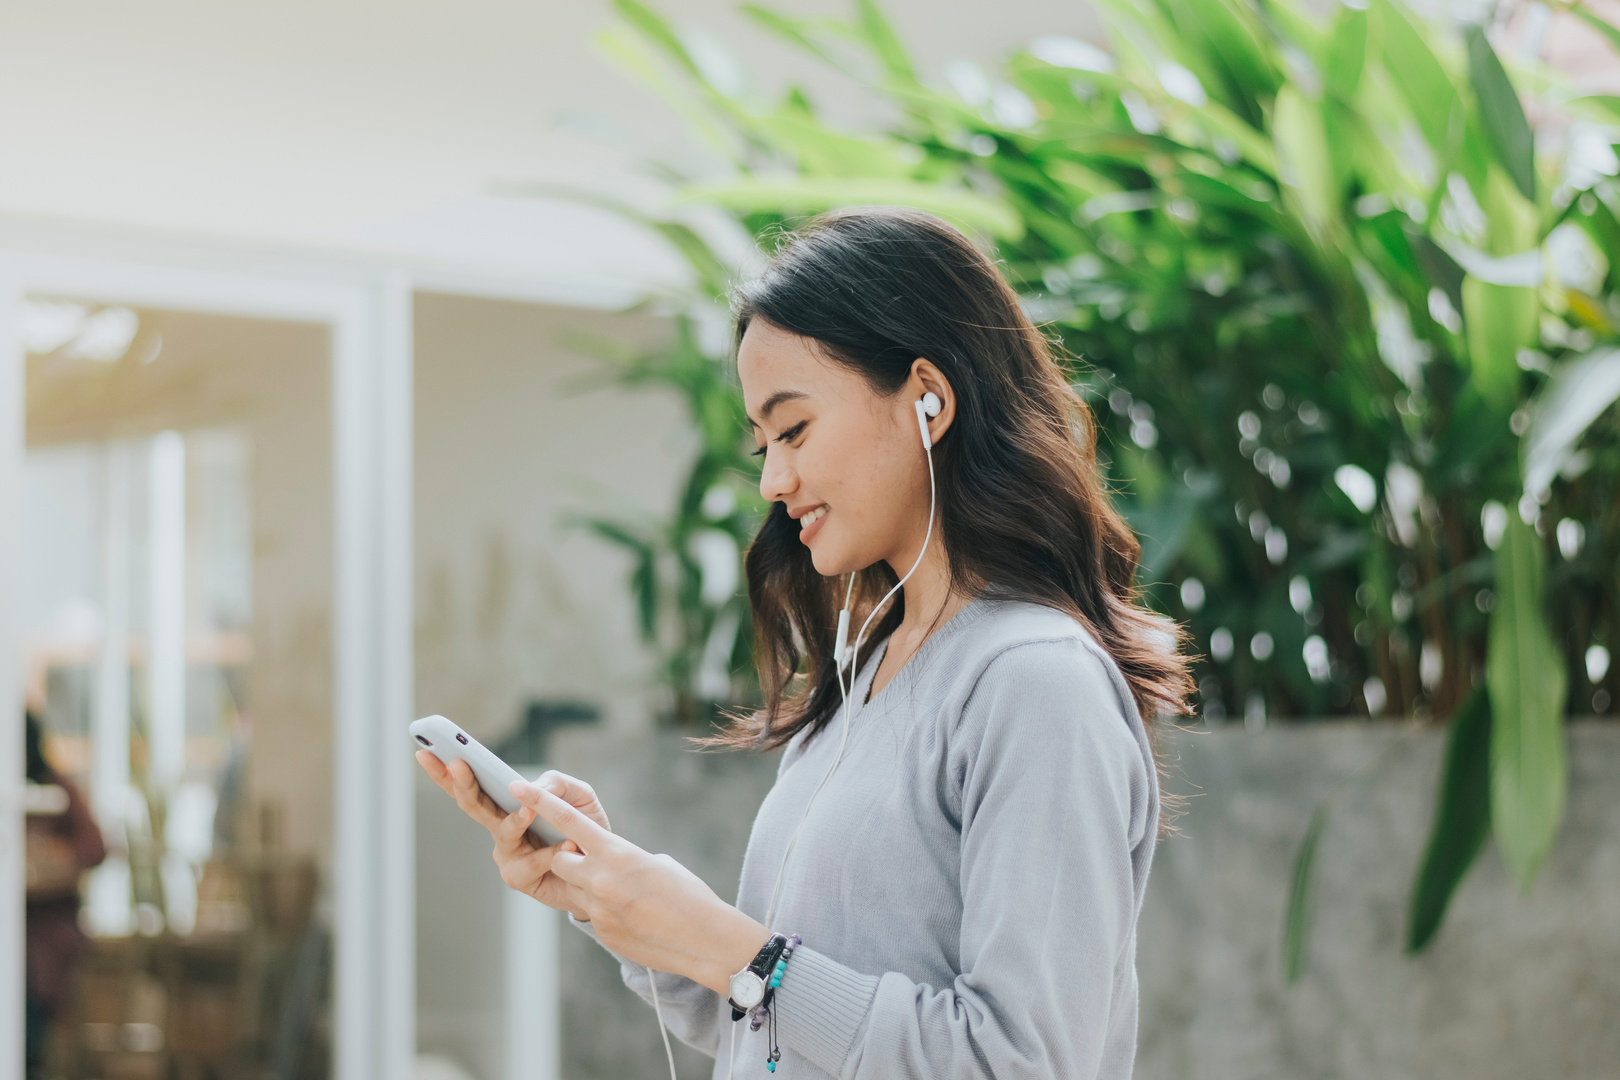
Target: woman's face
{"points": [[847, 461]]}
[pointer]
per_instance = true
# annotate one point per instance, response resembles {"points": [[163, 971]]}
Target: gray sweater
{"points": [[968, 883]]}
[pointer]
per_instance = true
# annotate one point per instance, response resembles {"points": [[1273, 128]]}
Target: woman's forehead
{"points": [[775, 365]]}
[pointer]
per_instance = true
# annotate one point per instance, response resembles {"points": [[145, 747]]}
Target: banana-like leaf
{"points": [[1506, 129], [1500, 319], [1525, 674], [884, 41], [643, 575], [1297, 918], [1601, 106], [1591, 19], [798, 31], [1412, 66], [1346, 53], [1303, 157], [968, 209], [821, 151], [1581, 390], [1462, 820], [1224, 44], [652, 25]]}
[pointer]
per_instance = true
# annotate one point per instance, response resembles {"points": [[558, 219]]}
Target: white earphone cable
{"points": [[652, 980], [854, 668], [844, 690]]}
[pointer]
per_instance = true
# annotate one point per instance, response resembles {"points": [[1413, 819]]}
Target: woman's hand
{"points": [[524, 864], [647, 908]]}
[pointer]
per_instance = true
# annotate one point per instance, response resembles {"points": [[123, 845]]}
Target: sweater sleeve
{"points": [[690, 1011], [1055, 796]]}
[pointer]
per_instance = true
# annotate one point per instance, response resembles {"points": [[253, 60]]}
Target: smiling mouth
{"points": [[812, 517]]}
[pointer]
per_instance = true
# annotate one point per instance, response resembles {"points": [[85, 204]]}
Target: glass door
{"points": [[175, 609]]}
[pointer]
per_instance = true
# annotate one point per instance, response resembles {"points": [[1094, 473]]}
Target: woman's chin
{"points": [[824, 557]]}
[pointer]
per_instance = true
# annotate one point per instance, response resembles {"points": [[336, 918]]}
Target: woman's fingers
{"points": [[512, 834], [568, 864], [436, 771], [471, 798], [568, 820], [576, 793]]}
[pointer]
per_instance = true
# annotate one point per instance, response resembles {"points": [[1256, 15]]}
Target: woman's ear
{"points": [[926, 378]]}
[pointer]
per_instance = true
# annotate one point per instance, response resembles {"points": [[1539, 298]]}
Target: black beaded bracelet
{"points": [[762, 1012]]}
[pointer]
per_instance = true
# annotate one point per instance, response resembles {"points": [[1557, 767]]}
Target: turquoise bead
{"points": [[771, 1065]]}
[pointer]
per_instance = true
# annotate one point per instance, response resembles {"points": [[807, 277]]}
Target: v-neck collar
{"points": [[970, 613]]}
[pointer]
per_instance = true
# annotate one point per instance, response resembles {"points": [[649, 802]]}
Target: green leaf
{"points": [[1225, 46], [1580, 391], [885, 42], [1440, 268], [1422, 81], [650, 23], [1602, 106], [811, 195], [1603, 27], [1506, 129], [1500, 319], [1462, 820], [820, 150], [1303, 157], [1525, 674], [1346, 53], [797, 31], [1297, 919]]}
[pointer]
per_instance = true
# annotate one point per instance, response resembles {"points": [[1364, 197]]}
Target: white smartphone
{"points": [[447, 742]]}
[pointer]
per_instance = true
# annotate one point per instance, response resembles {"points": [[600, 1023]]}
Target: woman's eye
{"points": [[793, 432], [759, 451]]}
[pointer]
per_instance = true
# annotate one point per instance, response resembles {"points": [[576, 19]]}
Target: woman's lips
{"points": [[807, 532]]}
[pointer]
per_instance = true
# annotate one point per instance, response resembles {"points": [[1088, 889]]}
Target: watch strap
{"points": [[761, 966]]}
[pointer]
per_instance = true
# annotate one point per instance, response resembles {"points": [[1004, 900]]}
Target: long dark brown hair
{"points": [[1022, 507]]}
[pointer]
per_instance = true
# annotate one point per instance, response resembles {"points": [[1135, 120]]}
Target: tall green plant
{"points": [[1348, 337], [685, 574]]}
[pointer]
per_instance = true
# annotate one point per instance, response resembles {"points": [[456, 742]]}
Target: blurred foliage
{"points": [[1350, 335], [691, 606]]}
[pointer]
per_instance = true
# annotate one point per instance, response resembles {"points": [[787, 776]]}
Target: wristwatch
{"points": [[748, 987]]}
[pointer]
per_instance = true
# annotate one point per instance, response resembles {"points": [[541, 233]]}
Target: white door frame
{"points": [[370, 319]]}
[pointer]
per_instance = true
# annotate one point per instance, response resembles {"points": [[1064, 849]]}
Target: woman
{"points": [[61, 846], [963, 893]]}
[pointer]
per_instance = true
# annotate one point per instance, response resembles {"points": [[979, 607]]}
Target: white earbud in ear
{"points": [[927, 405]]}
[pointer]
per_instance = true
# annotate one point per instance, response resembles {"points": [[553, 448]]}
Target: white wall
{"points": [[377, 127]]}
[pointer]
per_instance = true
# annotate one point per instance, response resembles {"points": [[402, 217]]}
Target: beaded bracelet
{"points": [[762, 1011]]}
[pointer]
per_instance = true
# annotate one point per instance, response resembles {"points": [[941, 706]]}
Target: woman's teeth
{"points": [[812, 517]]}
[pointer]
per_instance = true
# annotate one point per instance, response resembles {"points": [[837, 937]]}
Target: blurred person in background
{"points": [[963, 901], [63, 840]]}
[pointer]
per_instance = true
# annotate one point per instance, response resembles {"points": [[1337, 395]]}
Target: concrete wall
{"points": [[1514, 986]]}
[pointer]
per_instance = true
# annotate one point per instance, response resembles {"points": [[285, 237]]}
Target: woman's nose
{"points": [[776, 480]]}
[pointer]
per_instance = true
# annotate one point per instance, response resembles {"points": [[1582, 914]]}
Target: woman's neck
{"points": [[931, 602]]}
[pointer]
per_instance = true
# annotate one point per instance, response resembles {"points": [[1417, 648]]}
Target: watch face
{"points": [[747, 989]]}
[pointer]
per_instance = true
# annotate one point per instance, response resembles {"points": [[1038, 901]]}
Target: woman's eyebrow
{"points": [[773, 401]]}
